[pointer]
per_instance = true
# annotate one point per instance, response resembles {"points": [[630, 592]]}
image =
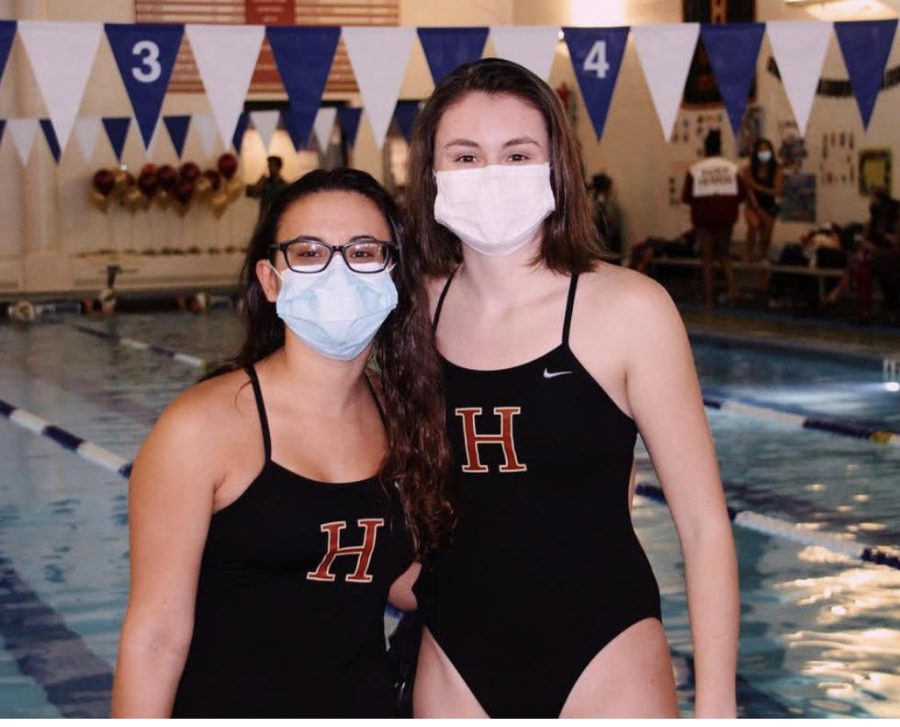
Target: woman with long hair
{"points": [[543, 603], [277, 506], [764, 180]]}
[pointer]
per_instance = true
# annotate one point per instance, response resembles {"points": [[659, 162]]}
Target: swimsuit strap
{"points": [[261, 408], [570, 304], [440, 303]]}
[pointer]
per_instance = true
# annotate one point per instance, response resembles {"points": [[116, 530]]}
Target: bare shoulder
{"points": [[625, 297], [204, 421]]}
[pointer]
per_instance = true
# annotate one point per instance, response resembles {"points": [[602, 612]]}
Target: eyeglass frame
{"points": [[283, 246]]}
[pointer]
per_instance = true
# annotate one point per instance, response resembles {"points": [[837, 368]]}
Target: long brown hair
{"points": [[570, 239], [418, 453]]}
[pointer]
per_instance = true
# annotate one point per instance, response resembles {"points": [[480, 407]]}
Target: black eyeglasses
{"points": [[305, 255]]}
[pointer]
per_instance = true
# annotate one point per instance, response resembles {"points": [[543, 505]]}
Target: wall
{"points": [[51, 235]]}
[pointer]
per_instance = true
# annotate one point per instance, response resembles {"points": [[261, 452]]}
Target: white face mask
{"points": [[336, 312], [495, 210], [764, 156]]}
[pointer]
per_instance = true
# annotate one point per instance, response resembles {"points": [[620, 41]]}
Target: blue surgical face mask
{"points": [[336, 312], [764, 155]]}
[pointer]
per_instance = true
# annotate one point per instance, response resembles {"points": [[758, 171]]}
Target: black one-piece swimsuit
{"points": [[544, 568], [290, 602]]}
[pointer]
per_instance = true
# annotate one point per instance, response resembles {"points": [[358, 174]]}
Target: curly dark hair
{"points": [[570, 242], [418, 454]]}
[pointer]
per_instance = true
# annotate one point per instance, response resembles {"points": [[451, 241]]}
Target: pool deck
{"points": [[813, 336]]}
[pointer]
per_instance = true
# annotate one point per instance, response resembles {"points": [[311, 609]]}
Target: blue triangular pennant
{"points": [[177, 126], [733, 49], [447, 48], [116, 131], [596, 55], [239, 131], [52, 141], [405, 113], [866, 45], [145, 55], [7, 35], [348, 118], [2, 129], [292, 127], [303, 57]]}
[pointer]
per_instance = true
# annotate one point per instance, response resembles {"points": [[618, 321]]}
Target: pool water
{"points": [[820, 634]]}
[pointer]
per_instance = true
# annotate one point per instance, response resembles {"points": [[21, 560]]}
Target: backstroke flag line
{"points": [[265, 123], [61, 56], [324, 125], [665, 53], [596, 55], [866, 46], [532, 46], [733, 49], [799, 47], [145, 55], [379, 57], [226, 56]]}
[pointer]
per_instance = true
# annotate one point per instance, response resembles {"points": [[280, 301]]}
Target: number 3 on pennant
{"points": [[149, 52], [596, 60]]}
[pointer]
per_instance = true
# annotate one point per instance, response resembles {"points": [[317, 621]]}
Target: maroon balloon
{"points": [[148, 183], [183, 192], [214, 177], [148, 169], [189, 172], [167, 176], [227, 165], [104, 182]]}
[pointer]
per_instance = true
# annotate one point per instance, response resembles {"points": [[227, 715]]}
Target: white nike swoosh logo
{"points": [[554, 374]]}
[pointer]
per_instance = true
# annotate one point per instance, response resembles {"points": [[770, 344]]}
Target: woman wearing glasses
{"points": [[544, 604], [275, 507]]}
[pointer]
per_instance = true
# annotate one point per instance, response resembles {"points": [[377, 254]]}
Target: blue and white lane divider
{"points": [[84, 449], [833, 426], [115, 338], [790, 531]]}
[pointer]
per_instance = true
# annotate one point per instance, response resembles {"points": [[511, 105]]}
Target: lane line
{"points": [[114, 338]]}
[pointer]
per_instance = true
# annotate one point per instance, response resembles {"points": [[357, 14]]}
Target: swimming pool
{"points": [[819, 634]]}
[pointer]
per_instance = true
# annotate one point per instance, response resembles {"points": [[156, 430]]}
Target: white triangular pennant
{"points": [[205, 126], [665, 52], [799, 47], [226, 56], [23, 132], [324, 125], [379, 57], [531, 46], [265, 123], [61, 56], [86, 131]]}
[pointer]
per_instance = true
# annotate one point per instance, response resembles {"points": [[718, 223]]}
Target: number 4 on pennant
{"points": [[596, 60]]}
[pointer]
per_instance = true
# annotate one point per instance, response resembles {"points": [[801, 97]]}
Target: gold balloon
{"points": [[202, 187], [132, 199], [101, 202], [235, 188], [219, 203], [121, 180]]}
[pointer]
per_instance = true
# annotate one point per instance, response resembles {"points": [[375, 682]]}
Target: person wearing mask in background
{"points": [[268, 185], [276, 506], [607, 212], [764, 180], [714, 189], [551, 364]]}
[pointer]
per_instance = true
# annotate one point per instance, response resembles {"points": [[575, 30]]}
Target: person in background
{"points": [[268, 185], [607, 212], [714, 189], [764, 180]]}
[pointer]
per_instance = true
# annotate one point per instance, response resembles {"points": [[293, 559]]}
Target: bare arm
{"points": [[666, 402], [170, 504]]}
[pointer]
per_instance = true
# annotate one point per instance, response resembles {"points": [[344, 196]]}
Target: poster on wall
{"points": [[798, 203], [792, 146], [752, 128], [874, 170]]}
